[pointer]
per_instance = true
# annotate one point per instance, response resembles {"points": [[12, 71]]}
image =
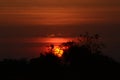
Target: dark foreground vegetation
{"points": [[81, 58]]}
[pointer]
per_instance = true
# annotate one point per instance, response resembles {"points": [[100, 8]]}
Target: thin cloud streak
{"points": [[58, 16]]}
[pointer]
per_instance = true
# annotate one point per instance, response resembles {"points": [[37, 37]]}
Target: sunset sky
{"points": [[64, 18], [40, 17]]}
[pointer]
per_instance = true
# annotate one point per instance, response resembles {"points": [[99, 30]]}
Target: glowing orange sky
{"points": [[17, 15], [60, 16], [58, 12], [38, 18]]}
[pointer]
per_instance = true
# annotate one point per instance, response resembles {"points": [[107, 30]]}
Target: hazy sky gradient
{"points": [[37, 3], [29, 16], [41, 12], [40, 18]]}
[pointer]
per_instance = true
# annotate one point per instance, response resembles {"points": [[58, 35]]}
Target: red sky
{"points": [[38, 18], [52, 12], [35, 18], [29, 17]]}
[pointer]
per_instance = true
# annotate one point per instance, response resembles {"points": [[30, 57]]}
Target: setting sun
{"points": [[58, 52]]}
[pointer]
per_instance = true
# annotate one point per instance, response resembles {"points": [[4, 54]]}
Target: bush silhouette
{"points": [[86, 51]]}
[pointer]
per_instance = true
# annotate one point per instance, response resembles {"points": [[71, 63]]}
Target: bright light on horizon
{"points": [[57, 51]]}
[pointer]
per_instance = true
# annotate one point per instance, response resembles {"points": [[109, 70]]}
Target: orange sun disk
{"points": [[58, 52]]}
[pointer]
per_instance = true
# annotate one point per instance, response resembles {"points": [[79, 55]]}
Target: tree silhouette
{"points": [[87, 50], [82, 55]]}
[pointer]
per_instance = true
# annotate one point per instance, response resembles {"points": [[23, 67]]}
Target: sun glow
{"points": [[58, 51]]}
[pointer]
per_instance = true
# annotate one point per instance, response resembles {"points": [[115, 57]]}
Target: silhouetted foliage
{"points": [[81, 55]]}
